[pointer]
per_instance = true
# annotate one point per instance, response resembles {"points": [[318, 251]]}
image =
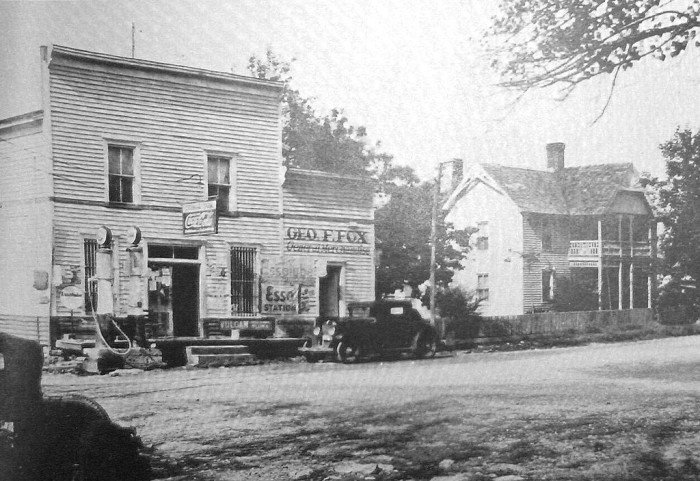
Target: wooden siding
{"points": [[536, 260], [25, 223], [173, 123], [331, 197], [161, 228], [359, 268], [502, 261], [23, 167], [334, 205], [28, 327]]}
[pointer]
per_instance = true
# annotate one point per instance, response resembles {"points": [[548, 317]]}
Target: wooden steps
{"points": [[215, 356]]}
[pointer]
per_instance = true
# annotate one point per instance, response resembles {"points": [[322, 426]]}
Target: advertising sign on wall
{"points": [[290, 269], [280, 299], [199, 218], [311, 240], [288, 285]]}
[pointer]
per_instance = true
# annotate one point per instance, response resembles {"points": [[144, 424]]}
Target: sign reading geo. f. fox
{"points": [[199, 218]]}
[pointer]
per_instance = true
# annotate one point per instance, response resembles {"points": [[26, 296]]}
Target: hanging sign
{"points": [[199, 218]]}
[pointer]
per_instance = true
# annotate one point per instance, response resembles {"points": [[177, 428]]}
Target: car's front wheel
{"points": [[347, 352]]}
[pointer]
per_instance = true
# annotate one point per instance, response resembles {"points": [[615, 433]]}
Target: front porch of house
{"points": [[612, 255]]}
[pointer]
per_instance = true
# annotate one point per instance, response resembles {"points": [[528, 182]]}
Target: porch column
{"points": [[631, 263], [600, 264], [652, 264], [619, 270]]}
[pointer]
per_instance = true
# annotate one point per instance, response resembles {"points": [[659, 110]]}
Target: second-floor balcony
{"points": [[585, 250]]}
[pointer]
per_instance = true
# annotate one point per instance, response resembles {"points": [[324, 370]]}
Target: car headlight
{"points": [[317, 331]]}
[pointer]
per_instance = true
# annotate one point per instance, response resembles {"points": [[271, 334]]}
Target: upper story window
{"points": [[547, 228], [219, 180], [121, 174], [482, 286], [482, 241]]}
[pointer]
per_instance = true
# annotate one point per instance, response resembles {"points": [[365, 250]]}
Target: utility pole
{"points": [[133, 39], [433, 241]]}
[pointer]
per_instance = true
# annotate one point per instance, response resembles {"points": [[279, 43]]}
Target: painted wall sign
{"points": [[199, 218], [280, 299], [349, 241], [307, 300], [290, 269]]}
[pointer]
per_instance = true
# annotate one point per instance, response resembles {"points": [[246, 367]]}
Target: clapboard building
{"points": [[588, 229], [177, 174]]}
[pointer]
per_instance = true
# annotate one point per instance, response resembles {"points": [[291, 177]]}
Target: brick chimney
{"points": [[452, 173], [555, 156]]}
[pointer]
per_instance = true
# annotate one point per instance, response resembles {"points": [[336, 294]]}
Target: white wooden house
{"points": [[123, 143], [537, 229]]}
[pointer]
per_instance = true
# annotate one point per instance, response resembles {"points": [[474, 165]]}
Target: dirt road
{"points": [[612, 411]]}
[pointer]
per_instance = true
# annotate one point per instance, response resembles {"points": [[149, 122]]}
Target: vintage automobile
{"points": [[372, 328], [67, 437]]}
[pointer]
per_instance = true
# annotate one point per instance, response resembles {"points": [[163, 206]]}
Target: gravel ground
{"points": [[596, 412]]}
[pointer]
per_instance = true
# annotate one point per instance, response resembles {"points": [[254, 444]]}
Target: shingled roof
{"points": [[586, 190], [532, 190], [590, 189]]}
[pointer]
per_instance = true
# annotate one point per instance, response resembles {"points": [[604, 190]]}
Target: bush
{"points": [[571, 295], [460, 309]]}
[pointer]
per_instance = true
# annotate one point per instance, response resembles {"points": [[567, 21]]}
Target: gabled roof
{"points": [[586, 190]]}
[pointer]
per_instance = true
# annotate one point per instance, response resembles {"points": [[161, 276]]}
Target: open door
{"points": [[174, 299], [185, 300], [329, 292]]}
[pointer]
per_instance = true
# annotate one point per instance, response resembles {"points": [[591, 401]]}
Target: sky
{"points": [[412, 72]]}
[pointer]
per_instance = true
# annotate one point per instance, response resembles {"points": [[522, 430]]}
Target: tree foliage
{"points": [[677, 200], [402, 228], [460, 309], [402, 225], [575, 295], [322, 142], [540, 43]]}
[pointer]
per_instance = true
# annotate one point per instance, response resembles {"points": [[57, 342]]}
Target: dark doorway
{"points": [[329, 292], [185, 300]]}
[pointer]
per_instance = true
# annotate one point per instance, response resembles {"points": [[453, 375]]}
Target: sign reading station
{"points": [[199, 218]]}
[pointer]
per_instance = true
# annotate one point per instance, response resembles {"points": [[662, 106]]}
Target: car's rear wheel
{"points": [[347, 352], [426, 345]]}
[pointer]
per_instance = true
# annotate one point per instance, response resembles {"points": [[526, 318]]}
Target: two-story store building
{"points": [[589, 226], [176, 173]]}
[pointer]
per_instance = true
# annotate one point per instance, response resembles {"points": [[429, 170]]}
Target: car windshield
{"points": [[359, 311]]}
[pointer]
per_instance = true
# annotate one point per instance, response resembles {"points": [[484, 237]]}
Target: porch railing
{"points": [[587, 249]]}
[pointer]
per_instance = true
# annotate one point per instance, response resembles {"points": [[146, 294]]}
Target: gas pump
{"points": [[103, 357]]}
